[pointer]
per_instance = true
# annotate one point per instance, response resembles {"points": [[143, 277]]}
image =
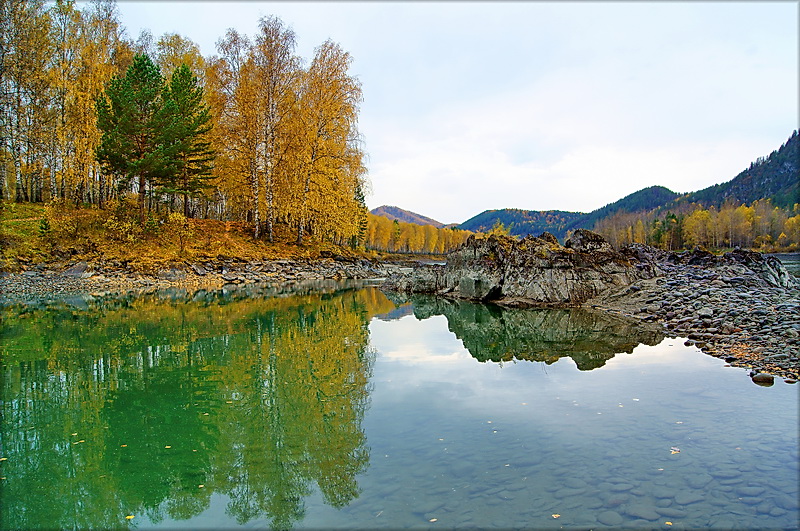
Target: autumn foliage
{"points": [[255, 134]]}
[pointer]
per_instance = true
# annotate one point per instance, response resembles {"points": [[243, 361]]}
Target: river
{"points": [[329, 405]]}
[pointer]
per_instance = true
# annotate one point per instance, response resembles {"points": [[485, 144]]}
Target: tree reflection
{"points": [[492, 333], [148, 405]]}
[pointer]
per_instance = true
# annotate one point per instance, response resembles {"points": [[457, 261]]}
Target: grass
{"points": [[114, 235]]}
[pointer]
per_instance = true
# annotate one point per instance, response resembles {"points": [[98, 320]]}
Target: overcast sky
{"points": [[470, 106]]}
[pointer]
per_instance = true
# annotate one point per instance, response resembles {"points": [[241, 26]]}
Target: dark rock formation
{"points": [[528, 272]]}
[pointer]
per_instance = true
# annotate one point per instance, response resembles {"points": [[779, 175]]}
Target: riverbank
{"points": [[729, 308], [76, 278], [723, 307]]}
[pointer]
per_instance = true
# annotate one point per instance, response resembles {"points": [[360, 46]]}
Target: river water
{"points": [[330, 406]]}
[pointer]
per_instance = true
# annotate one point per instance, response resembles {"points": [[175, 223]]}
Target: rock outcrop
{"points": [[533, 271]]}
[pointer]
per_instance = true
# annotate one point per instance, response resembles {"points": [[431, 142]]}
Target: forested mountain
{"points": [[524, 222], [643, 200], [776, 177], [396, 213]]}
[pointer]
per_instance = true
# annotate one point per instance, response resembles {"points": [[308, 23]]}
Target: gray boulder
{"points": [[527, 272]]}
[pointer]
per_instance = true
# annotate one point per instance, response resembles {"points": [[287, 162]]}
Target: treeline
{"points": [[759, 225], [386, 235], [254, 133]]}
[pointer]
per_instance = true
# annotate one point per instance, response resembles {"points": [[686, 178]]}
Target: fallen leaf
{"points": [[129, 517], [3, 458], [73, 434], [200, 486], [123, 445], [668, 523]]}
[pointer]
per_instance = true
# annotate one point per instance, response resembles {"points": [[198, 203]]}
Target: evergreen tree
{"points": [[134, 122], [189, 120]]}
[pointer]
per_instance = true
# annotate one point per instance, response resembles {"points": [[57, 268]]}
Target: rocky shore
{"points": [[741, 307], [58, 280]]}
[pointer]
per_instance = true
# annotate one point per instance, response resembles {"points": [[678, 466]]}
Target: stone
{"points": [[705, 312], [609, 518], [76, 270], [642, 511], [763, 379], [686, 498]]}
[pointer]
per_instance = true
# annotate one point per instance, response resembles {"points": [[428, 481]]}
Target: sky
{"points": [[470, 106]]}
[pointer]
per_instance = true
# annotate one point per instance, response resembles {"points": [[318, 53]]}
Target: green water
{"points": [[331, 406]]}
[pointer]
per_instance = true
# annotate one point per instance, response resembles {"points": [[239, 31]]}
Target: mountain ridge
{"points": [[775, 177]]}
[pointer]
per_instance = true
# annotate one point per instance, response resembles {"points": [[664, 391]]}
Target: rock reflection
{"points": [[493, 333], [148, 405]]}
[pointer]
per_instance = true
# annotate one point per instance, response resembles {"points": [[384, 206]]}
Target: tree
{"points": [[189, 122], [132, 119]]}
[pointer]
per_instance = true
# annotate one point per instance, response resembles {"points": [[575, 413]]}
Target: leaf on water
{"points": [[433, 519], [3, 458], [679, 422], [635, 399], [555, 515], [168, 446], [200, 486], [123, 445], [660, 469], [129, 517], [205, 414], [668, 523], [675, 450], [73, 434], [82, 440]]}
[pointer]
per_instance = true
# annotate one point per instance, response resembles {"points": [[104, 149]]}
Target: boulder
{"points": [[528, 272]]}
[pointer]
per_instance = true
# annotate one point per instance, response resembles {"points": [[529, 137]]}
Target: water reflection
{"points": [[146, 406], [492, 333]]}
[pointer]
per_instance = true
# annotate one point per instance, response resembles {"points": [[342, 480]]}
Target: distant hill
{"points": [[396, 213], [524, 222], [776, 177]]}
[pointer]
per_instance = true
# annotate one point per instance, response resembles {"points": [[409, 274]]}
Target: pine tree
{"points": [[189, 122], [133, 120]]}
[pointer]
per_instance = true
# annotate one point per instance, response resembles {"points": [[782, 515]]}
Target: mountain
{"points": [[557, 222], [643, 200], [524, 222], [776, 177], [396, 213]]}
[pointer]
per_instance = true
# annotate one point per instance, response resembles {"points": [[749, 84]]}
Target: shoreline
{"points": [[726, 311]]}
